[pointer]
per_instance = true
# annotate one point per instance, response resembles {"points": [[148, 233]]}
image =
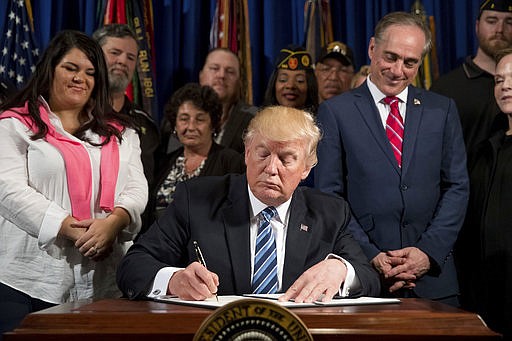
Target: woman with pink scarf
{"points": [[72, 186]]}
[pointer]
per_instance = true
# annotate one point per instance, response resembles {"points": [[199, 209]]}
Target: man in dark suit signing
{"points": [[396, 153], [304, 250]]}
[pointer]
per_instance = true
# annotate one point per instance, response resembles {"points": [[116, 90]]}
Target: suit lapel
{"points": [[236, 223], [414, 112], [298, 238], [370, 115]]}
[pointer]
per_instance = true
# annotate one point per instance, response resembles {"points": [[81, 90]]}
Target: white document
{"points": [[213, 303], [333, 302]]}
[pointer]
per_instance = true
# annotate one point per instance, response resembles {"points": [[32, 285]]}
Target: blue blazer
{"points": [[424, 203], [215, 211]]}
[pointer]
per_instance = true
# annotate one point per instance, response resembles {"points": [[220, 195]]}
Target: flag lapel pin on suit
{"points": [[416, 101], [304, 227]]}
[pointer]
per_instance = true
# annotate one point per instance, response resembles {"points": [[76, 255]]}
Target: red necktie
{"points": [[395, 128]]}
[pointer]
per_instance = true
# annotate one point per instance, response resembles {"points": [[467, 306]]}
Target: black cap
{"points": [[293, 57], [339, 51], [496, 5]]}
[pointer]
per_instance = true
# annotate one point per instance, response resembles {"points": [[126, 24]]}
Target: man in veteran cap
{"points": [[471, 84], [334, 70]]}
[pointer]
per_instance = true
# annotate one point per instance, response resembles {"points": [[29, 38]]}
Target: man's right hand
{"points": [[194, 282]]}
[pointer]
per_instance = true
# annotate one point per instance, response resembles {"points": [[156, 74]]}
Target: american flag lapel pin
{"points": [[416, 101], [304, 227]]}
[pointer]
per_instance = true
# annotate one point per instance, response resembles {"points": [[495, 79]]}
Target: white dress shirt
{"points": [[378, 97]]}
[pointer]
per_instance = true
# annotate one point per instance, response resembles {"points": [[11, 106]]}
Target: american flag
{"points": [[18, 48]]}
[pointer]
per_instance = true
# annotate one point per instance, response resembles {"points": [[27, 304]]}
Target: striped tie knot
{"points": [[268, 213]]}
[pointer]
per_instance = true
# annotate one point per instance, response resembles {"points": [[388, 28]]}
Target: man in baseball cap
{"points": [[334, 70]]}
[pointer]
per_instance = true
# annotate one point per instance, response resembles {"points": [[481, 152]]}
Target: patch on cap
{"points": [[293, 60], [339, 51]]}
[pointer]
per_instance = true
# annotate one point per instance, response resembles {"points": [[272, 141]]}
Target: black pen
{"points": [[201, 261]]}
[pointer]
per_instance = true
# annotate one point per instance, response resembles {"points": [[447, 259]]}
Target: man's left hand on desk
{"points": [[324, 278]]}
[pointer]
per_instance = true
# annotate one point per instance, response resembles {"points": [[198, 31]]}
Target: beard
{"points": [[117, 82], [492, 46]]}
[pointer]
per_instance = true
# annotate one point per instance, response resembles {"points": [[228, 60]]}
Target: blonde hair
{"points": [[360, 76], [284, 124]]}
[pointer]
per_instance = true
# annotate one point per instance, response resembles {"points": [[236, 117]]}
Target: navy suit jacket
{"points": [[421, 205], [215, 211]]}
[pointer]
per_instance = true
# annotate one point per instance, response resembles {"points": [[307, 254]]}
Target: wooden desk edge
{"points": [[420, 319]]}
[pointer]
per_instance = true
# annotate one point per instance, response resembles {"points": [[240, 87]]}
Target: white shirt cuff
{"points": [[51, 225], [161, 281], [351, 280]]}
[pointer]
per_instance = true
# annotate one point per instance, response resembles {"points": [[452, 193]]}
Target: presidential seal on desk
{"points": [[252, 319]]}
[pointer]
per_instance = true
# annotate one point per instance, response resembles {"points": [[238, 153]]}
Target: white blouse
{"points": [[34, 201]]}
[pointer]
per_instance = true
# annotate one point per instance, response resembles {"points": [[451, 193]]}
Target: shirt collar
{"points": [[257, 206], [378, 95], [472, 70]]}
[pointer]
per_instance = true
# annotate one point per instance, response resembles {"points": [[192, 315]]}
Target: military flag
{"points": [[429, 69], [317, 26]]}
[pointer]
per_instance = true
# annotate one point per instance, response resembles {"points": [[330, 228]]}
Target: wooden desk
{"points": [[123, 320]]}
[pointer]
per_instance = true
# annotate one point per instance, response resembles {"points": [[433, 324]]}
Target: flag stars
{"points": [[19, 51]]}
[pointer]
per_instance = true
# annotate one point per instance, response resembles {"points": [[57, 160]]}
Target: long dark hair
{"points": [[42, 79]]}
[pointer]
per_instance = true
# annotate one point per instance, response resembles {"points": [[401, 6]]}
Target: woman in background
{"points": [[293, 82], [360, 77], [72, 187], [194, 112]]}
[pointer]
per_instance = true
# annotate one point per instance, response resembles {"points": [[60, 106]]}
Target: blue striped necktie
{"points": [[264, 280]]}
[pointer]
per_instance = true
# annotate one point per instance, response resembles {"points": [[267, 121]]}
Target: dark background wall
{"points": [[182, 31]]}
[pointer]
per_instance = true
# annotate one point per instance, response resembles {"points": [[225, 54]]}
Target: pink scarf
{"points": [[77, 162]]}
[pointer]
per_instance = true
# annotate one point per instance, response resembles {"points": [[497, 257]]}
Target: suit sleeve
{"points": [[328, 172], [438, 239], [164, 244]]}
